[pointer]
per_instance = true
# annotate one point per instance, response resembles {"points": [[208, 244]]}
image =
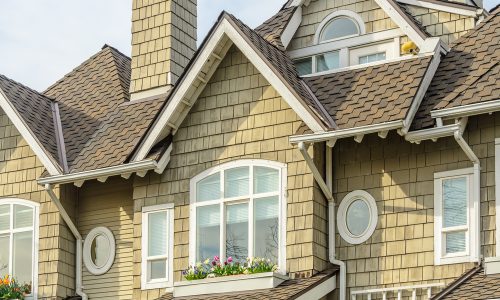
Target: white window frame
{"points": [[157, 283], [470, 254], [387, 47], [343, 13], [342, 217], [87, 256], [36, 208], [282, 206]]}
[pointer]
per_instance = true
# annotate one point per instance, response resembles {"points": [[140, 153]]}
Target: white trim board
{"points": [[451, 7], [51, 166], [291, 27], [340, 13], [497, 198], [321, 290], [224, 28]]}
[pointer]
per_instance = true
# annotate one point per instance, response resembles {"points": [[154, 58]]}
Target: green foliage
{"points": [[215, 268], [11, 289]]}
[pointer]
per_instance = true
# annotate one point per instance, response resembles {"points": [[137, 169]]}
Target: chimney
{"points": [[163, 42]]}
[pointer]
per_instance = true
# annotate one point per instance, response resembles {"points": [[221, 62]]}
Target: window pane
{"points": [[265, 180], [157, 233], [158, 269], [338, 28], [23, 256], [100, 250], [455, 242], [372, 58], [266, 224], [304, 66], [236, 182], [237, 231], [358, 217], [23, 216], [454, 202], [328, 61], [4, 255], [207, 231], [208, 188], [4, 217]]}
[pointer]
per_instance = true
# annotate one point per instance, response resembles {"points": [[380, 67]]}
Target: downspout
{"points": [[327, 189], [78, 237], [458, 135]]}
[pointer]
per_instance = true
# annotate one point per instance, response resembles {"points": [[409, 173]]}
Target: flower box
{"points": [[227, 284]]}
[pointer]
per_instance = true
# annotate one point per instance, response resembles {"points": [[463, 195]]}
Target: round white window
{"points": [[99, 250], [357, 217]]}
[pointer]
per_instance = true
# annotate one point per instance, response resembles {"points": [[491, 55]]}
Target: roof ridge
{"points": [[81, 66]]}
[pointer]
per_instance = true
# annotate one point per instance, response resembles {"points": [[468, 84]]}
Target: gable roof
{"points": [[468, 74], [290, 289], [31, 113]]}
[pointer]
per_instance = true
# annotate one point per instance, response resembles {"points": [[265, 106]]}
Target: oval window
{"points": [[357, 217], [99, 250]]}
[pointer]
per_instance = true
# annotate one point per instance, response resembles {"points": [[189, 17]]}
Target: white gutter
{"points": [[327, 188], [432, 133], [467, 110], [345, 133], [140, 166], [78, 237]]}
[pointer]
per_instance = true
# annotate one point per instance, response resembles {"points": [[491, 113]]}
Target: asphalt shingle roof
{"points": [[468, 74], [272, 29], [371, 95], [36, 110]]}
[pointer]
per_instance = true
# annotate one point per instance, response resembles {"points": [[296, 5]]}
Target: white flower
{"points": [[211, 275]]}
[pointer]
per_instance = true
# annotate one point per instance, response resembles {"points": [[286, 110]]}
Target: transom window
{"points": [[454, 218], [237, 210], [340, 27], [18, 236]]}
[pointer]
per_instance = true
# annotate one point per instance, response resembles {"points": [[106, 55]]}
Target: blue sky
{"points": [[40, 41]]}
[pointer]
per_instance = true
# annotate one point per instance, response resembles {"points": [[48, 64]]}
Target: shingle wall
{"points": [[239, 115], [163, 40], [19, 169], [400, 176]]}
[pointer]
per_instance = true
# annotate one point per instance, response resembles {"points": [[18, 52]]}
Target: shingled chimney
{"points": [[163, 42]]}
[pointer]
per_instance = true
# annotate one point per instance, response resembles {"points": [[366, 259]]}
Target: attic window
{"points": [[340, 27]]}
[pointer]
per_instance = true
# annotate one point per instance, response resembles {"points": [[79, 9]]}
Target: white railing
{"points": [[398, 291]]}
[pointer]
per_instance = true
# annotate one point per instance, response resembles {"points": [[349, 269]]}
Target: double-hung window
{"points": [[455, 227], [238, 210], [19, 241], [157, 246]]}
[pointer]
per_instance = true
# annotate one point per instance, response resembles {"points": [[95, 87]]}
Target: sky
{"points": [[42, 40]]}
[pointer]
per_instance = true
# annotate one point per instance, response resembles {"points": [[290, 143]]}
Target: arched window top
{"points": [[338, 25]]}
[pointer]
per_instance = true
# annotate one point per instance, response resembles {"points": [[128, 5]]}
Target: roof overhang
{"points": [[487, 107], [199, 72], [447, 6], [358, 132], [45, 158], [140, 168]]}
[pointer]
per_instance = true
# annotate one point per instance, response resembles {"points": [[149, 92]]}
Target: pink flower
{"points": [[216, 258], [229, 259]]}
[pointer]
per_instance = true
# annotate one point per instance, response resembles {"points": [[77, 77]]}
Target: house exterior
{"points": [[353, 144]]}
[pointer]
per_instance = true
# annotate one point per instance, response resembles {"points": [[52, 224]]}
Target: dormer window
{"points": [[340, 27], [341, 41]]}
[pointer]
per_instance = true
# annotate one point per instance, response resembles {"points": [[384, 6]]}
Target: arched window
{"points": [[339, 27], [19, 240], [238, 210]]}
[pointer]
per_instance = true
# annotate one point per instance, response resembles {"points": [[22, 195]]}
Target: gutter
{"points": [[80, 177], [467, 110], [327, 188], [344, 133], [78, 237]]}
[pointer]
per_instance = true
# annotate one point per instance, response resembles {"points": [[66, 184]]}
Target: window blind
{"points": [[157, 233], [208, 188], [236, 182], [454, 202], [265, 180]]}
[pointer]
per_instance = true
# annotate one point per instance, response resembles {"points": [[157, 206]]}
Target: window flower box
{"points": [[227, 284]]}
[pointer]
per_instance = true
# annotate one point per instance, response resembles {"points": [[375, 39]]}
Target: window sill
{"points": [[455, 260], [227, 284]]}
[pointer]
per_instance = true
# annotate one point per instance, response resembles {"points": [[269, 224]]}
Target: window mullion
{"points": [[11, 240], [251, 224], [222, 228]]}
